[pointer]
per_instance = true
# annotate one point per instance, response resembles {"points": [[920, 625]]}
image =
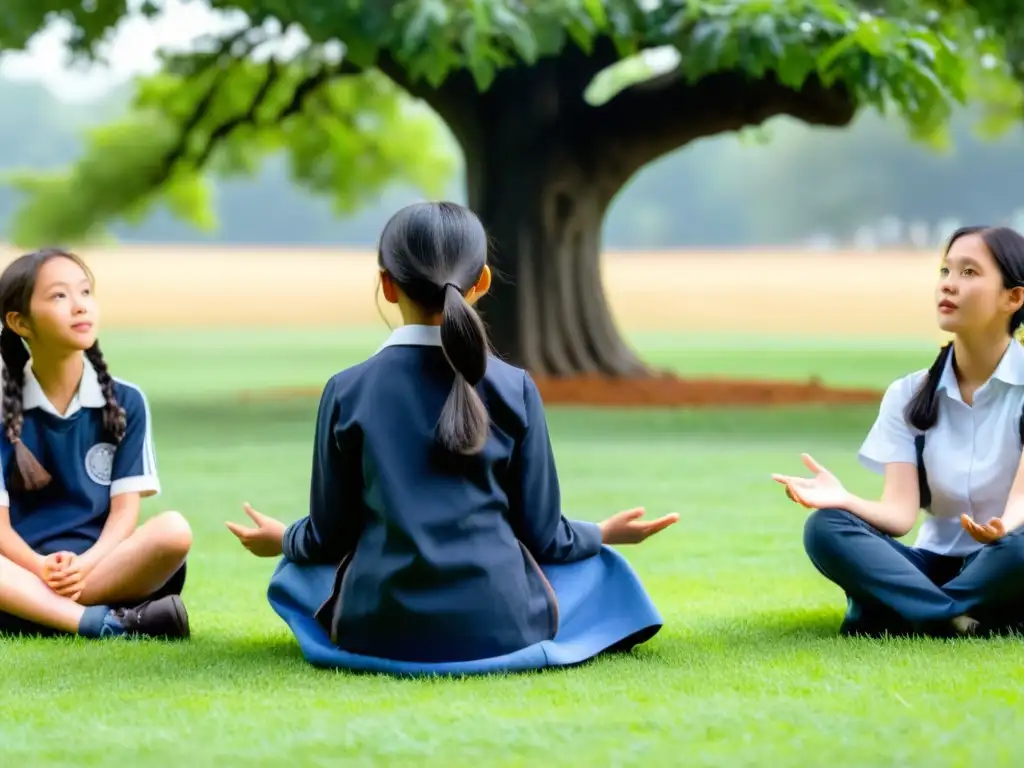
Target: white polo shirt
{"points": [[971, 455]]}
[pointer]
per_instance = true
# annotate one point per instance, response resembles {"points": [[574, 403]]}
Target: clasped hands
{"points": [[65, 573]]}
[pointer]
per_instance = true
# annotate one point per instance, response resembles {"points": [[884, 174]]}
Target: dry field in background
{"points": [[764, 292]]}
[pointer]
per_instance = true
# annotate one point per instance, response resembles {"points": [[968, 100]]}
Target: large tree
{"points": [[515, 82]]}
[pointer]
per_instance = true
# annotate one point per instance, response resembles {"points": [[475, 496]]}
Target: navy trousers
{"points": [[895, 589]]}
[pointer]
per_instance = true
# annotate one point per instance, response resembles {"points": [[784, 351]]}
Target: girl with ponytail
{"points": [[435, 516], [947, 440], [76, 457]]}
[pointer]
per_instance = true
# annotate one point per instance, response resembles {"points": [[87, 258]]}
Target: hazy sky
{"points": [[131, 51]]}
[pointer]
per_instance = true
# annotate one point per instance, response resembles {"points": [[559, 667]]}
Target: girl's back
{"points": [[437, 569], [434, 504]]}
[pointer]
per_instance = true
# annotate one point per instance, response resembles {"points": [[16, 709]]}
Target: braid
{"points": [[15, 356], [30, 474], [115, 420]]}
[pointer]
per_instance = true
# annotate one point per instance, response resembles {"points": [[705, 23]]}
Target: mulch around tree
{"points": [[667, 390], [660, 391]]}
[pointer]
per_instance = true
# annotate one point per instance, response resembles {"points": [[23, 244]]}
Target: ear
{"points": [[388, 287], [18, 323], [483, 285], [1016, 298]]}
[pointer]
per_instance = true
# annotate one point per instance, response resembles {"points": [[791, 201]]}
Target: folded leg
{"points": [[890, 585], [991, 585]]}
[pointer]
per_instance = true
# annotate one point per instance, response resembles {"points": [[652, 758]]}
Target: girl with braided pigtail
{"points": [[76, 458]]}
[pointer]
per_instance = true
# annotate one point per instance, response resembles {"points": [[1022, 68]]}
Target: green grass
{"points": [[747, 671], [165, 361]]}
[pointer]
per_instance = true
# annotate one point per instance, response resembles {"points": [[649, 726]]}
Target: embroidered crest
{"points": [[99, 463]]}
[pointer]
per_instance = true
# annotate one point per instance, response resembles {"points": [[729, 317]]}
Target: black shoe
{"points": [[164, 618]]}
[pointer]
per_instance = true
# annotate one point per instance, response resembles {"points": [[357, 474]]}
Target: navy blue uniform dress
{"points": [[87, 470], [415, 555]]}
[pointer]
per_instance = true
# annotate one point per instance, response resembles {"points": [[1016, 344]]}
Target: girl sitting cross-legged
{"points": [[947, 439], [435, 538], [76, 457]]}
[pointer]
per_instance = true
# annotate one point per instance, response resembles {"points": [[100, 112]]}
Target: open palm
{"points": [[821, 491]]}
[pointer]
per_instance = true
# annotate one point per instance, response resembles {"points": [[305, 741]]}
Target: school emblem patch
{"points": [[99, 463]]}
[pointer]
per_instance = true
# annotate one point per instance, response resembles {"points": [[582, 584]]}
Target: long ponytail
{"points": [[923, 409], [463, 425]]}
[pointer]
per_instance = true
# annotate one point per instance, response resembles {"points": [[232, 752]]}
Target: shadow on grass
{"points": [[759, 639]]}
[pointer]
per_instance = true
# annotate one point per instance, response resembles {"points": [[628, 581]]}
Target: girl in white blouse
{"points": [[947, 439]]}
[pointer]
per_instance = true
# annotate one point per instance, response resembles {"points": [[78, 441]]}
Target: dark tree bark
{"points": [[543, 167], [544, 205]]}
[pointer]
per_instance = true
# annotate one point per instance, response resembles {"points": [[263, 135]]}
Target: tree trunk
{"points": [[542, 169], [544, 208]]}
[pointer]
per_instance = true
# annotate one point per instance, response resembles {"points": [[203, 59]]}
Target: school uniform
{"points": [[414, 556], [970, 459], [86, 469]]}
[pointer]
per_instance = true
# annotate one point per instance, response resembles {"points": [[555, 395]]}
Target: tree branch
{"points": [[250, 116], [222, 131], [651, 119]]}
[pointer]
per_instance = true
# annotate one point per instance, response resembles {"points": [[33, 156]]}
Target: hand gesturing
{"points": [[819, 492]]}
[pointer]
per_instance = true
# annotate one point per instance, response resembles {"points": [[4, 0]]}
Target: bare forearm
{"points": [[14, 548], [886, 517], [119, 526]]}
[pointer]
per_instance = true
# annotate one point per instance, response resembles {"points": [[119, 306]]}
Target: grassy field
{"points": [[747, 671]]}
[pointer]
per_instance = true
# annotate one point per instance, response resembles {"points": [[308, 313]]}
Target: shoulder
{"points": [[513, 386], [130, 397], [351, 377], [502, 372], [347, 385], [900, 392]]}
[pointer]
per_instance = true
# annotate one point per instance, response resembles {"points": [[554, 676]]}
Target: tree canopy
{"points": [[336, 108], [552, 108]]}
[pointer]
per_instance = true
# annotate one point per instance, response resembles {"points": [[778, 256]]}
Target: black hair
{"points": [[436, 252], [1007, 248], [17, 283]]}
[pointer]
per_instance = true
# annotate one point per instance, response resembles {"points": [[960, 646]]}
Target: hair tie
{"points": [[453, 285]]}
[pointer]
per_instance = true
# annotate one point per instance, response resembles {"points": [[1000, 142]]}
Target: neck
{"points": [[976, 358], [59, 375], [414, 315]]}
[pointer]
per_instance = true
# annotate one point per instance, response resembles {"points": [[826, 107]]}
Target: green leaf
{"points": [[352, 137], [519, 34], [834, 52], [764, 28], [707, 43], [356, 136]]}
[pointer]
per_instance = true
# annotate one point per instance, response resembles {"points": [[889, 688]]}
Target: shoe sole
{"points": [[182, 618]]}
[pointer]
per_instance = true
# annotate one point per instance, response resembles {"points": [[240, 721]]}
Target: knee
{"points": [[175, 534], [822, 527], [1013, 541]]}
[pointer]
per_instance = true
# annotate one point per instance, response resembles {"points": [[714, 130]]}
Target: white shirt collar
{"points": [[415, 336], [1010, 370], [88, 395]]}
